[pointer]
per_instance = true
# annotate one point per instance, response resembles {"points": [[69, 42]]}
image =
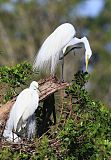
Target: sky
{"points": [[89, 8]]}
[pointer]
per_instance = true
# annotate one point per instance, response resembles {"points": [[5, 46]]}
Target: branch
{"points": [[47, 87]]}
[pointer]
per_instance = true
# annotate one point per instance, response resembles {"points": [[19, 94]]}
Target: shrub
{"points": [[84, 134], [15, 77]]}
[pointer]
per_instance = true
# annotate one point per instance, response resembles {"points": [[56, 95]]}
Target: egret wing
{"points": [[21, 104], [48, 55]]}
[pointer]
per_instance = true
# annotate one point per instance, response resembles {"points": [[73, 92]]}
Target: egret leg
{"points": [[62, 76], [13, 136], [61, 57]]}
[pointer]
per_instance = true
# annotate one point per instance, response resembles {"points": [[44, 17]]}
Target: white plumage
{"points": [[23, 108], [55, 46]]}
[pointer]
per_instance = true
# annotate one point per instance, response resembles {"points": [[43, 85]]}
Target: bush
{"points": [[84, 134], [15, 77]]}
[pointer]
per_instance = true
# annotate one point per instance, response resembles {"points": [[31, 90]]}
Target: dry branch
{"points": [[46, 86]]}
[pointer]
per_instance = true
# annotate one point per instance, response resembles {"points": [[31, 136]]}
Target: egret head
{"points": [[34, 85]]}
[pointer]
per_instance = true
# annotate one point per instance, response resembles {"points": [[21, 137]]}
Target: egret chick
{"points": [[54, 48], [24, 107]]}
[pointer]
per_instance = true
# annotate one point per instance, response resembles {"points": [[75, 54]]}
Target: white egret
{"points": [[55, 45], [24, 107]]}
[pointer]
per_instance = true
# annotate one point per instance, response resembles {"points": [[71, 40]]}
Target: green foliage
{"points": [[77, 89], [83, 135], [9, 95], [5, 154], [86, 134], [9, 154], [15, 77], [43, 150]]}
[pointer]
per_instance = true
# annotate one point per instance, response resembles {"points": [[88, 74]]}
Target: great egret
{"points": [[24, 107], [55, 45]]}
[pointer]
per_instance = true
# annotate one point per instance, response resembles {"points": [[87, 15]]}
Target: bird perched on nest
{"points": [[24, 107], [54, 47]]}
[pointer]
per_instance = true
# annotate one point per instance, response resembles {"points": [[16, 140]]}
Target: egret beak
{"points": [[86, 63]]}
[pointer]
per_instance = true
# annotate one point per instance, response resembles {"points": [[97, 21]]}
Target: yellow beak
{"points": [[86, 63]]}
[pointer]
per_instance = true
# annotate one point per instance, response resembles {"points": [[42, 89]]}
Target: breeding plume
{"points": [[22, 110], [54, 47]]}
